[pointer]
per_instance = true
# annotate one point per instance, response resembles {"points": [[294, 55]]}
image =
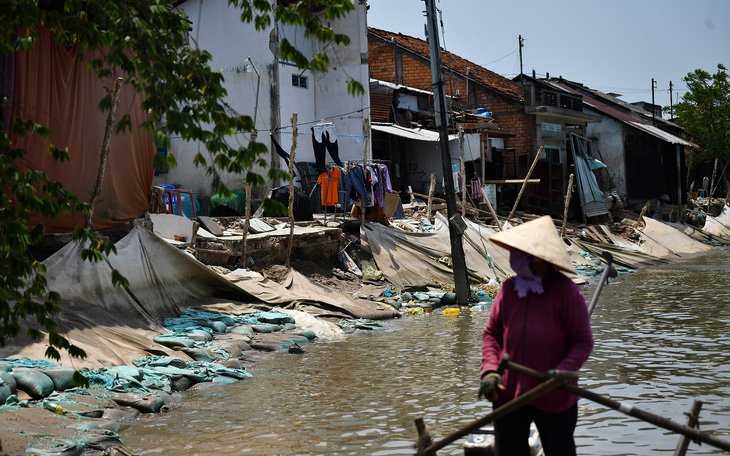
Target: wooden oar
{"points": [[608, 271], [628, 409]]}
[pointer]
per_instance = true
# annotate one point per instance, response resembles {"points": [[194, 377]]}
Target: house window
{"points": [[299, 81], [551, 154], [550, 98]]}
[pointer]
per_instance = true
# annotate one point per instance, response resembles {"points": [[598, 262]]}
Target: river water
{"points": [[662, 340]]}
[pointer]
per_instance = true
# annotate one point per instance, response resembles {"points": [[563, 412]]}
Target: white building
{"points": [[283, 90]]}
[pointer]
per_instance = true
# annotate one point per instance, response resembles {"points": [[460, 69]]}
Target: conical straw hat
{"points": [[539, 238]]}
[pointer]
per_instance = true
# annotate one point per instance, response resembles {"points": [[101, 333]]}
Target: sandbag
{"points": [[5, 393], [145, 404], [244, 330], [9, 380], [265, 329], [200, 335], [174, 342], [217, 326], [33, 381], [62, 377], [56, 446], [198, 354]]}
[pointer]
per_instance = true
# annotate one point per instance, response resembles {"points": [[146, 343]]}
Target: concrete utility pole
{"points": [[461, 284], [671, 106], [522, 79], [653, 111]]}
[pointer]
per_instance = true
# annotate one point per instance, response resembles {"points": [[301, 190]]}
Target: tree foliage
{"points": [[183, 96], [704, 112]]}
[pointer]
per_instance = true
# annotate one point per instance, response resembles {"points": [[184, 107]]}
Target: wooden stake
{"points": [[291, 187], [567, 203], [524, 184], [366, 135], [491, 209], [105, 151], [430, 195]]}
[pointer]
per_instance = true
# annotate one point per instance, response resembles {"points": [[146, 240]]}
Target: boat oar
{"points": [[628, 409], [608, 271], [424, 447]]}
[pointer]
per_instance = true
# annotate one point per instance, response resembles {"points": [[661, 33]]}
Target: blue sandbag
{"points": [[62, 377], [218, 326], [309, 334], [243, 330], [174, 341], [265, 329], [5, 393], [9, 380], [33, 381]]}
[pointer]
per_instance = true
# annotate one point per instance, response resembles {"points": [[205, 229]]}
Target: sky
{"points": [[613, 46]]}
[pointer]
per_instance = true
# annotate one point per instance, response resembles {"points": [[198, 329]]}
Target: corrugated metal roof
{"points": [[661, 134], [626, 118], [416, 134]]}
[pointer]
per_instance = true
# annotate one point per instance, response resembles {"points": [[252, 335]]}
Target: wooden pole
{"points": [[627, 409], [247, 222], [105, 151], [540, 390], [524, 184], [430, 195], [568, 194], [291, 187], [491, 209], [366, 135], [463, 170], [692, 418]]}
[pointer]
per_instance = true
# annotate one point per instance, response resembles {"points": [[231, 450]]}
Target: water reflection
{"points": [[661, 342]]}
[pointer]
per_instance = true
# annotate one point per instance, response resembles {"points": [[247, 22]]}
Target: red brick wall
{"points": [[416, 72]]}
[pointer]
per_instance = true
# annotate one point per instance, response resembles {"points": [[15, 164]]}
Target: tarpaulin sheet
{"points": [[299, 293], [720, 225], [663, 240], [55, 86], [116, 325], [410, 259]]}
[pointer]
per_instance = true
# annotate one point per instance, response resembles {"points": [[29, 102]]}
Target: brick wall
{"points": [[416, 73]]}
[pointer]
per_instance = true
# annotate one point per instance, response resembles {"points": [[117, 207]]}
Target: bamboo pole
{"points": [[491, 209], [540, 390], [692, 418], [567, 203], [366, 135], [430, 195], [627, 409], [291, 187], [105, 144], [524, 184]]}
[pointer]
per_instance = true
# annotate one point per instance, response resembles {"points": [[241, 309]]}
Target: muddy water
{"points": [[662, 340]]}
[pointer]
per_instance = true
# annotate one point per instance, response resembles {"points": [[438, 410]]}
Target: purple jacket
{"points": [[551, 330]]}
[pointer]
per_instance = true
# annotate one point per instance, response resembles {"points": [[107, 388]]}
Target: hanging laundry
{"points": [[285, 155], [329, 182], [324, 139]]}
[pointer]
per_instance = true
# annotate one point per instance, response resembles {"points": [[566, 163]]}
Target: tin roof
{"points": [[457, 64], [624, 117], [418, 134]]}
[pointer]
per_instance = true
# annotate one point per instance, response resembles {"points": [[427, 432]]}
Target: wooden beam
{"points": [[512, 181]]}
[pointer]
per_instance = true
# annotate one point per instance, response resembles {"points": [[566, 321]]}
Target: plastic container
{"points": [[451, 311]]}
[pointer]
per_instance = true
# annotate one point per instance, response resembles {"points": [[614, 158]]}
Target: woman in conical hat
{"points": [[541, 320]]}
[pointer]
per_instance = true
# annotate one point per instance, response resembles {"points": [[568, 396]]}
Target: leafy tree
{"points": [[704, 112], [145, 39]]}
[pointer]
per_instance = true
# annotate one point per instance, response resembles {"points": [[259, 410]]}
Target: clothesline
{"points": [[310, 134]]}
